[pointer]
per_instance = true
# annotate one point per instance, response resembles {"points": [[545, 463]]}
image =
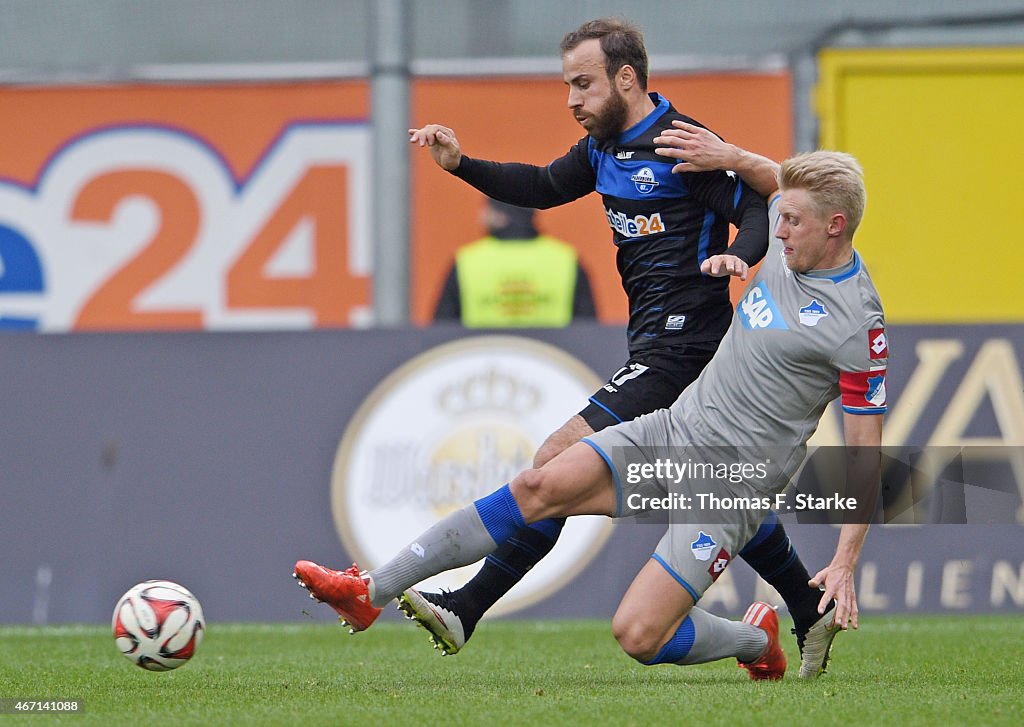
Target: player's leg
{"points": [[576, 482], [771, 554], [648, 619], [643, 384], [658, 623], [654, 381], [451, 616], [561, 439]]}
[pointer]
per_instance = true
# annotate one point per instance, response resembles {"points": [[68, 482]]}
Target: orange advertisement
{"points": [[248, 206], [528, 120], [217, 207]]}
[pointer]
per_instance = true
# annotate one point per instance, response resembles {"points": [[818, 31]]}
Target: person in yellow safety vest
{"points": [[515, 277]]}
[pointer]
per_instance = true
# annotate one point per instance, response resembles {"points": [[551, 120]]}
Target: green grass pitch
{"points": [[932, 670]]}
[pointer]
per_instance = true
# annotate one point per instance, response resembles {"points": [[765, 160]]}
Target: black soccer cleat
{"points": [[439, 614]]}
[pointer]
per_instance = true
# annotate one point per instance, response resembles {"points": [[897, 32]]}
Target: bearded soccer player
{"points": [[671, 234]]}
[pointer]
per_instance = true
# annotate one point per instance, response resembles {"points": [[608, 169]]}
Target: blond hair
{"points": [[834, 180]]}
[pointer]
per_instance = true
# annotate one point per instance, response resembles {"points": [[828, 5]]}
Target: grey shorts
{"points": [[710, 499]]}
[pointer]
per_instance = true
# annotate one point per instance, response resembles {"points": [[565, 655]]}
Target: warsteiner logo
{"points": [[446, 428]]}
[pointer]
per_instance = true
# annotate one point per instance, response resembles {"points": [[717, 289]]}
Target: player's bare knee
{"points": [[639, 640], [528, 482], [529, 491], [540, 494]]}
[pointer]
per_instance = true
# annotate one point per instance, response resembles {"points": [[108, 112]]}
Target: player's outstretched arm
{"points": [[526, 185], [700, 150], [441, 141], [863, 435]]}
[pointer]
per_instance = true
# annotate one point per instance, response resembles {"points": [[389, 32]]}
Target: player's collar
{"points": [[661, 105], [838, 275]]}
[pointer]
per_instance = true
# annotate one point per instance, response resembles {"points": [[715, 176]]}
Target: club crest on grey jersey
{"points": [[813, 312]]}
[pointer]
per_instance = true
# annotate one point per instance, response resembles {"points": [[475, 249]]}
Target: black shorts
{"points": [[648, 381]]}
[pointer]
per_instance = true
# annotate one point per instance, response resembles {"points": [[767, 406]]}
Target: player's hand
{"points": [[837, 581], [719, 266], [441, 141], [698, 149]]}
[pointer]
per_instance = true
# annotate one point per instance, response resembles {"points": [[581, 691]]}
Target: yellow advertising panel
{"points": [[940, 133]]}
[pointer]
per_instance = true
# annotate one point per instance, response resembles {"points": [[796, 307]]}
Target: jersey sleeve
{"points": [[568, 177], [727, 195], [862, 361], [773, 216]]}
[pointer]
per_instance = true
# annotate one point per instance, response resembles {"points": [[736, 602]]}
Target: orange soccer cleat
{"points": [[771, 664], [344, 591]]}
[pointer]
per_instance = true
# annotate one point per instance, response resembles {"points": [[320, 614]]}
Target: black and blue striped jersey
{"points": [[664, 225]]}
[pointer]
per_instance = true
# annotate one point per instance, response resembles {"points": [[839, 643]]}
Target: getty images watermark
{"points": [[918, 485], [720, 478]]}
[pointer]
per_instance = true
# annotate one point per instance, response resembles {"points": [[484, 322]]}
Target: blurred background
{"points": [[220, 259]]}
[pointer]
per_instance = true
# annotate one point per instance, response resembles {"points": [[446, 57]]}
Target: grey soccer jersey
{"points": [[796, 342]]}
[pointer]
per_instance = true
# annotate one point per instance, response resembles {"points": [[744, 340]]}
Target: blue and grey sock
{"points": [[704, 637], [464, 537]]}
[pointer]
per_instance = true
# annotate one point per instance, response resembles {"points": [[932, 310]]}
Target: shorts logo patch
{"points": [[813, 312], [878, 343], [627, 373], [674, 323], [703, 546], [718, 564]]}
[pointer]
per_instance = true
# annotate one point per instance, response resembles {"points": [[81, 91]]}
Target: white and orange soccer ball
{"points": [[158, 625]]}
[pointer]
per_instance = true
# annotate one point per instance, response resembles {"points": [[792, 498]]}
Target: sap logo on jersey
{"points": [[758, 309], [703, 546], [813, 312], [644, 181]]}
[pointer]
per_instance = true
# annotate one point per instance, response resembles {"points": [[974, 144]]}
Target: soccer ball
{"points": [[158, 625]]}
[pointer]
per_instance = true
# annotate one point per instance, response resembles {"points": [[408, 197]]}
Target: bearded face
{"points": [[594, 99], [610, 120]]}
